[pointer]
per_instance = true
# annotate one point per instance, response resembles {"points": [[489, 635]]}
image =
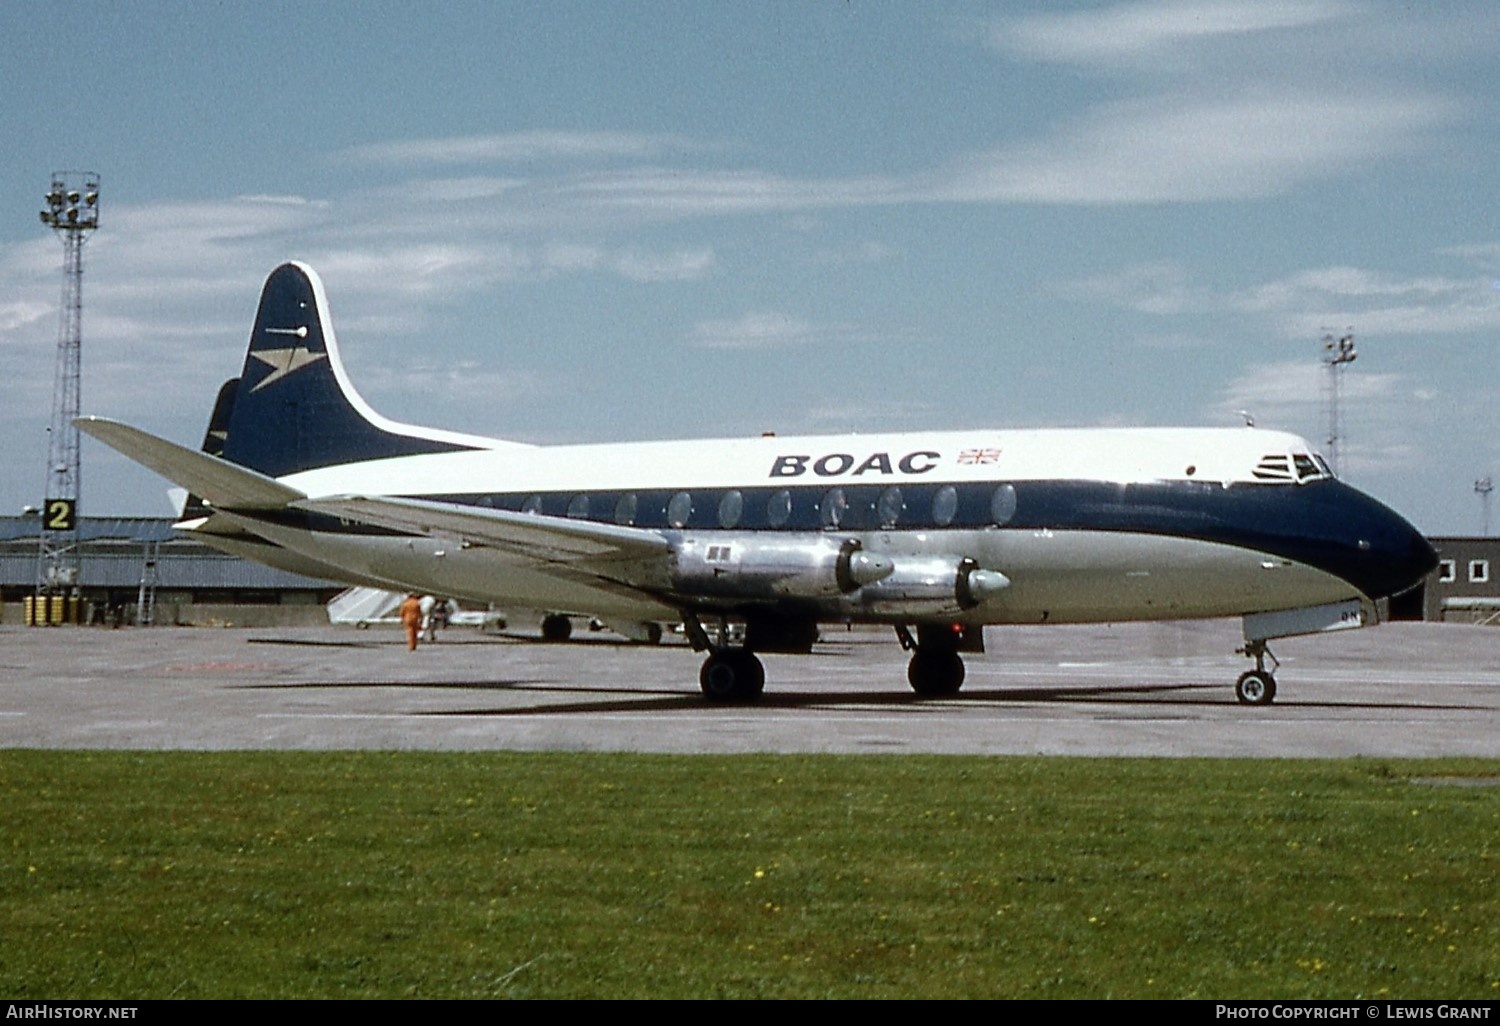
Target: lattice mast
{"points": [[72, 212], [1338, 353]]}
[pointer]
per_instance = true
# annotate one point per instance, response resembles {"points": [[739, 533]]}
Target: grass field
{"points": [[261, 874]]}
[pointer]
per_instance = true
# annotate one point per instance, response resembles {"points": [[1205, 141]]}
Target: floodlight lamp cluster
{"points": [[1340, 348], [70, 207]]}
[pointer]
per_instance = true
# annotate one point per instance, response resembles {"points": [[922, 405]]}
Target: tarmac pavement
{"points": [[1399, 690]]}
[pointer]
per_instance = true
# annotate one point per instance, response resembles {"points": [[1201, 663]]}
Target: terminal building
{"points": [[128, 563], [1465, 588]]}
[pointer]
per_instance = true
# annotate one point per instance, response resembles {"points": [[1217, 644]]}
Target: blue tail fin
{"points": [[294, 408]]}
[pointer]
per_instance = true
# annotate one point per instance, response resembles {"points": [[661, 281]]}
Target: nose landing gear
{"points": [[1257, 686]]}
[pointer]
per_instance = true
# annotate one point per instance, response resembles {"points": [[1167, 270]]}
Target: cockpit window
{"points": [[1275, 467], [1291, 468]]}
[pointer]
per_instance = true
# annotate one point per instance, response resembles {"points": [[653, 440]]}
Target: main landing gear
{"points": [[1257, 686], [936, 669], [556, 628], [731, 673]]}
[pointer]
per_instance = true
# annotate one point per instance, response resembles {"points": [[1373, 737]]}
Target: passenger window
{"points": [[730, 509], [680, 509], [1003, 505], [944, 505], [625, 509], [578, 507], [889, 506], [533, 504], [834, 506], [779, 508]]}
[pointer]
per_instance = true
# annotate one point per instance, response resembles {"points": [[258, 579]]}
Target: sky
{"points": [[588, 221]]}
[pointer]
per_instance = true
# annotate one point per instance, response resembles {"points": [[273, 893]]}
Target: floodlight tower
{"points": [[1482, 488], [1338, 352], [72, 212]]}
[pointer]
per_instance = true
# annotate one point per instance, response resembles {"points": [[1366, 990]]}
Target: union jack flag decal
{"points": [[977, 456]]}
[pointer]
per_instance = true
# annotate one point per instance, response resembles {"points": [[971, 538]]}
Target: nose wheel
{"points": [[1257, 686]]}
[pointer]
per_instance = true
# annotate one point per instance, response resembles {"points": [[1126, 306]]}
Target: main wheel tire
{"points": [[934, 674], [732, 675], [1255, 687], [556, 628]]}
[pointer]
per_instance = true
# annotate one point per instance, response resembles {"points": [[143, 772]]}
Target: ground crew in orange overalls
{"points": [[411, 619]]}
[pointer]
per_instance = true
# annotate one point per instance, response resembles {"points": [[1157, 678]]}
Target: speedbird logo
{"points": [[284, 361]]}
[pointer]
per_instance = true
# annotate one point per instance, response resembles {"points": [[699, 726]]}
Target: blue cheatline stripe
{"points": [[1320, 524]]}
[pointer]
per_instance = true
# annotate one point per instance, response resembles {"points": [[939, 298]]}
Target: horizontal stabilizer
{"points": [[552, 539], [219, 483]]}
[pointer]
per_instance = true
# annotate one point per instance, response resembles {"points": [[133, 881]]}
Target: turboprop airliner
{"points": [[752, 543]]}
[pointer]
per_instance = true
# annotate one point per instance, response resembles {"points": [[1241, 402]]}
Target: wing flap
{"points": [[551, 539], [216, 481]]}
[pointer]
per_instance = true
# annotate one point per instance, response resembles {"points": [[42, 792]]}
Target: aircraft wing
{"points": [[548, 539], [218, 482]]}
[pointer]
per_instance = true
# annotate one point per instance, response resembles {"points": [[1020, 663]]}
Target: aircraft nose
{"points": [[1395, 555], [1356, 537]]}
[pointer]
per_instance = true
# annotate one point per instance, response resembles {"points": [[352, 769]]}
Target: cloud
{"points": [[1141, 33], [22, 314], [855, 254], [413, 383], [1378, 412], [519, 147], [1305, 304], [1233, 100], [753, 331], [769, 330], [1238, 141], [1162, 287], [1163, 149], [1174, 342], [676, 265], [1485, 256], [698, 192], [1290, 388], [1308, 303]]}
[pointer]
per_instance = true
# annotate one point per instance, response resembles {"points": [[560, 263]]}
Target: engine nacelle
{"points": [[747, 566], [921, 587]]}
